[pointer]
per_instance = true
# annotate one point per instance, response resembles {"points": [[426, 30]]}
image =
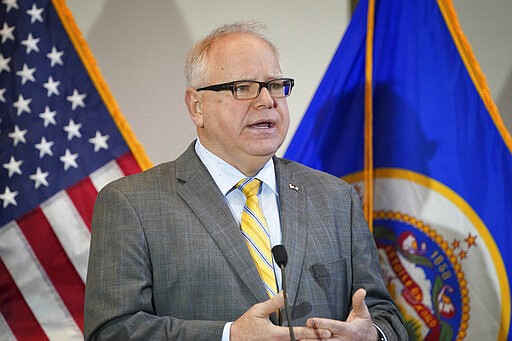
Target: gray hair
{"points": [[196, 62]]}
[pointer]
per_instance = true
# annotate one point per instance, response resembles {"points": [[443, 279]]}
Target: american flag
{"points": [[61, 139]]}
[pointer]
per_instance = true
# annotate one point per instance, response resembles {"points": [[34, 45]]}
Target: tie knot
{"points": [[249, 186]]}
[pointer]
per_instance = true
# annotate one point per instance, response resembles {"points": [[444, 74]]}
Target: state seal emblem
{"points": [[440, 263]]}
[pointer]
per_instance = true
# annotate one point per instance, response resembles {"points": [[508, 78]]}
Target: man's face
{"points": [[244, 133]]}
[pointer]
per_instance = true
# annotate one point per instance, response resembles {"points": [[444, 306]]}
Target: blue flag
{"points": [[404, 114]]}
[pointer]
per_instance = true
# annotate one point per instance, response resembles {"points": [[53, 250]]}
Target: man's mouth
{"points": [[262, 125]]}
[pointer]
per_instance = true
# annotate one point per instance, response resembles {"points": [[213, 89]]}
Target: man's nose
{"points": [[264, 98]]}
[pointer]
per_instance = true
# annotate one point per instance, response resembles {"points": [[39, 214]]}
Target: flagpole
{"points": [[368, 116]]}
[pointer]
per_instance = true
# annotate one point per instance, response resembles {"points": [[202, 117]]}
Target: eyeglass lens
{"points": [[250, 89]]}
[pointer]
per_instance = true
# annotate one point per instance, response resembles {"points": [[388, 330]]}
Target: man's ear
{"points": [[194, 102]]}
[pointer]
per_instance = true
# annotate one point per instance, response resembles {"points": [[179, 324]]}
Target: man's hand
{"points": [[255, 324], [358, 325]]}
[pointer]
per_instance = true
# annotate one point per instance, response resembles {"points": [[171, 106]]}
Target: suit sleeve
{"points": [[368, 275], [118, 295]]}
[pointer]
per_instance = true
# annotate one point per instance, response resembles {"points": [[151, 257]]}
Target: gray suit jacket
{"points": [[168, 261]]}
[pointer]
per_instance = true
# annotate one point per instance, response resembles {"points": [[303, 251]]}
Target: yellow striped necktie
{"points": [[256, 233]]}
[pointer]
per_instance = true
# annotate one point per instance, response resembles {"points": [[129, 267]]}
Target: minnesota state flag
{"points": [[404, 114]]}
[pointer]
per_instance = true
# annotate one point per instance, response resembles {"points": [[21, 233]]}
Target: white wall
{"points": [[140, 46]]}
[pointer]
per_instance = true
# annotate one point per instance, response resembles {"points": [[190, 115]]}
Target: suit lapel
{"points": [[198, 189], [293, 208]]}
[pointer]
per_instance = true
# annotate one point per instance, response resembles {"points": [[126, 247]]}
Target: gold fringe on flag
{"points": [[92, 69]]}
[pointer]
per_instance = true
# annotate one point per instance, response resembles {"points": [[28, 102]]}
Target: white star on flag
{"points": [[4, 63], [39, 178], [2, 92], [73, 129], [18, 135], [69, 160], [51, 86], [99, 141], [35, 14], [44, 147], [8, 197], [77, 100], [31, 43], [13, 166], [22, 105], [26, 74], [6, 32], [10, 4], [55, 57], [48, 116]]}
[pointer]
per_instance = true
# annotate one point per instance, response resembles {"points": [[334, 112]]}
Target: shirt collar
{"points": [[227, 176]]}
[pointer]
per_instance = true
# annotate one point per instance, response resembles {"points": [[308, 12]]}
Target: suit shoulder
{"points": [[307, 174], [149, 179]]}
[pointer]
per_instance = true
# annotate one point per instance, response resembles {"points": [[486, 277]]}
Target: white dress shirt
{"points": [[226, 177]]}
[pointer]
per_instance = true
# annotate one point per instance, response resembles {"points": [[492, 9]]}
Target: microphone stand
{"points": [[286, 310], [281, 258]]}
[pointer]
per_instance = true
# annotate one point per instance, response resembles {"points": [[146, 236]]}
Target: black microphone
{"points": [[281, 258]]}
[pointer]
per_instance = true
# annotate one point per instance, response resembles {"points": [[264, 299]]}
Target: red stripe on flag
{"points": [[128, 164], [83, 194], [15, 310], [53, 258]]}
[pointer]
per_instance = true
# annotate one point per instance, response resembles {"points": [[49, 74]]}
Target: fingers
{"points": [[359, 308], [324, 324], [264, 309], [308, 333], [359, 319], [254, 324]]}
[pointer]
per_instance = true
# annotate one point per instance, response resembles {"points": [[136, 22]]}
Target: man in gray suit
{"points": [[168, 260]]}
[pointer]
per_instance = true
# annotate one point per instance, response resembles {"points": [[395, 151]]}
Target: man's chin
{"points": [[266, 146], [265, 151]]}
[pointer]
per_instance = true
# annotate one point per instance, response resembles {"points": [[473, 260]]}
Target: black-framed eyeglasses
{"points": [[249, 89]]}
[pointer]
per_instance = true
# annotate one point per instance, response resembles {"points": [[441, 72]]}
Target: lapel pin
{"points": [[292, 186]]}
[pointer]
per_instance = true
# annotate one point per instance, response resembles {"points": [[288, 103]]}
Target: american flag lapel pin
{"points": [[294, 187]]}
